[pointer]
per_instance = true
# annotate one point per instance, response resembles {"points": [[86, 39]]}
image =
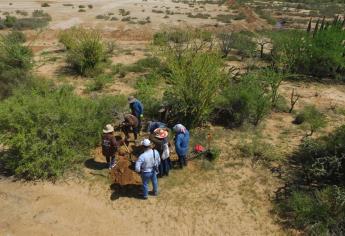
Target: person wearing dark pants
{"points": [[181, 143], [109, 145], [130, 123], [160, 139], [147, 165], [137, 110]]}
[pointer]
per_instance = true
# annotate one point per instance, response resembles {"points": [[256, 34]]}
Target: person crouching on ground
{"points": [[160, 140], [109, 145], [130, 123], [147, 165], [137, 109], [181, 143]]}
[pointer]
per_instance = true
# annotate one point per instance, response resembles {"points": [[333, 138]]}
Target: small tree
{"points": [[313, 120], [274, 80], [86, 51], [195, 81], [16, 61], [225, 42]]}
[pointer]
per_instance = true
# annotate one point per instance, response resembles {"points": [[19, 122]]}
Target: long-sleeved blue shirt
{"points": [[182, 143], [146, 161], [137, 108]]}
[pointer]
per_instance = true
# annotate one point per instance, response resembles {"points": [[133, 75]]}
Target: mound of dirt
{"points": [[123, 173]]}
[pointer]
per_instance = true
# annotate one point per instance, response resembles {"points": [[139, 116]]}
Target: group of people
{"points": [[155, 160]]}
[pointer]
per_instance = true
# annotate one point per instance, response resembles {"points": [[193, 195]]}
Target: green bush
{"points": [[10, 21], [86, 51], [149, 94], [317, 201], [244, 44], [245, 100], [195, 80], [98, 83], [312, 119], [48, 130], [321, 212], [16, 61], [320, 54]]}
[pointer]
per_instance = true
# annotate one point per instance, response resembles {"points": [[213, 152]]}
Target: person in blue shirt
{"points": [[137, 109], [181, 143], [147, 165], [153, 125]]}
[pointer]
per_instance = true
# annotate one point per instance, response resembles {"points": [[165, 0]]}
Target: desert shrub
{"points": [[86, 51], [16, 37], [224, 18], [213, 154], [244, 44], [259, 151], [317, 201], [195, 80], [98, 83], [45, 4], [321, 212], [225, 42], [48, 130], [39, 19], [245, 100], [273, 79], [10, 21], [312, 119], [318, 54], [148, 92], [16, 61]]}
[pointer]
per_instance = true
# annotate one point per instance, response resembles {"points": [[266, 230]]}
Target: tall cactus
{"points": [[322, 23], [309, 26], [316, 27]]}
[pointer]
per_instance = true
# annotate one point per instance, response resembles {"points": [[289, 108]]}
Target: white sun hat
{"points": [[146, 142], [108, 129]]}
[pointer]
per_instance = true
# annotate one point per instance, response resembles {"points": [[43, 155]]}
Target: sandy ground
{"points": [[231, 198]]}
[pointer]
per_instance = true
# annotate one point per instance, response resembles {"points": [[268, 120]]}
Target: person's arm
{"points": [[157, 157], [139, 163]]}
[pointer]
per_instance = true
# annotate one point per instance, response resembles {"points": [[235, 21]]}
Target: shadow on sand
{"points": [[94, 165], [128, 191]]}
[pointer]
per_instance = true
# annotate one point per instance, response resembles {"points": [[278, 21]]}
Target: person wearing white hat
{"points": [[109, 145], [147, 165]]}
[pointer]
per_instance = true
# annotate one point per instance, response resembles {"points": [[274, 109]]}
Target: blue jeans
{"points": [[146, 177], [182, 160]]}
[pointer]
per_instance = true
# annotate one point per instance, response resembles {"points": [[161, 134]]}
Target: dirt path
{"points": [[235, 203]]}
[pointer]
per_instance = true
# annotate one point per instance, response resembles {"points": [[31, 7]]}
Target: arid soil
{"points": [[232, 197]]}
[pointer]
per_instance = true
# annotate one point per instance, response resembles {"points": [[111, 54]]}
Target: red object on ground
{"points": [[198, 148]]}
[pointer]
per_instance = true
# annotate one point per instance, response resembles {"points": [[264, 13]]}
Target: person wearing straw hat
{"points": [[109, 145], [160, 139], [137, 109], [147, 165]]}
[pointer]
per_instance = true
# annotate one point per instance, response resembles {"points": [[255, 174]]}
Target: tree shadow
{"points": [[94, 165], [128, 191]]}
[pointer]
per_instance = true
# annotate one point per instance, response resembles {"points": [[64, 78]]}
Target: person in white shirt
{"points": [[147, 165]]}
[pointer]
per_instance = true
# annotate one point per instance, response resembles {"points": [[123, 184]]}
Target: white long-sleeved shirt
{"points": [[146, 161]]}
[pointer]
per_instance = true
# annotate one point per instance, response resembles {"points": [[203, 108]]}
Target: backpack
{"points": [[107, 148]]}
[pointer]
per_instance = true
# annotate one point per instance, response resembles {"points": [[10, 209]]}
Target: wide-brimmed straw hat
{"points": [[108, 129], [146, 142], [131, 99], [160, 133]]}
